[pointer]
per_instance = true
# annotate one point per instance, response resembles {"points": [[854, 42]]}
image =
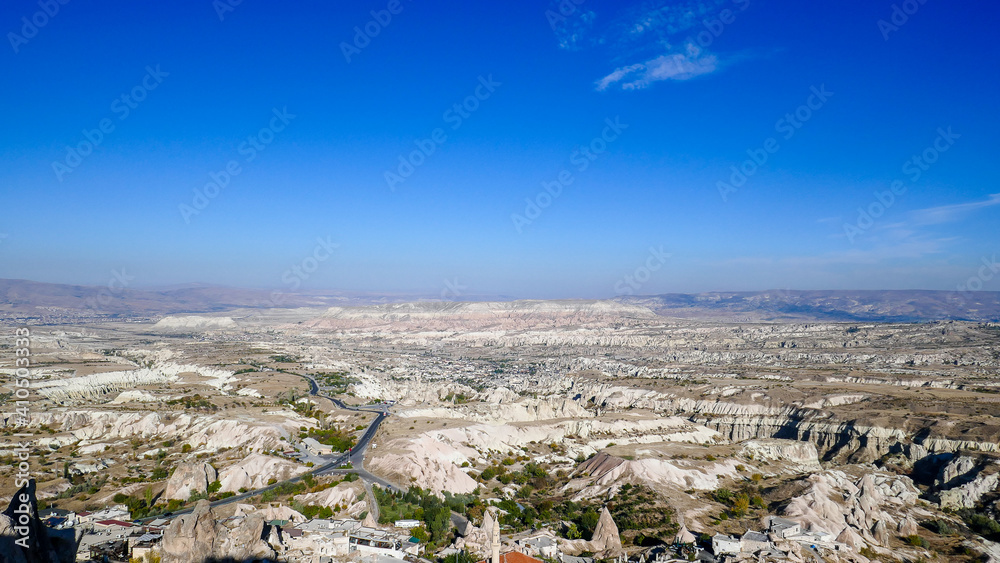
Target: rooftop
{"points": [[313, 443], [113, 522], [374, 534], [148, 538], [778, 522], [324, 525], [514, 557]]}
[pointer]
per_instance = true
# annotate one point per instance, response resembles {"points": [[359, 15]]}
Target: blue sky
{"points": [[696, 90]]}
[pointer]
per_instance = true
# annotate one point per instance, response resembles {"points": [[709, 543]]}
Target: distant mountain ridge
{"points": [[827, 305], [23, 297]]}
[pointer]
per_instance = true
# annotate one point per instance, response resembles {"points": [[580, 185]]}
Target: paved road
{"points": [[815, 553], [356, 457]]}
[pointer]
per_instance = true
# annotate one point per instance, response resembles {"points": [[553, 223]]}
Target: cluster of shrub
{"points": [[195, 401], [338, 439], [530, 473], [641, 515], [981, 523], [139, 507], [425, 506], [335, 382], [739, 503]]}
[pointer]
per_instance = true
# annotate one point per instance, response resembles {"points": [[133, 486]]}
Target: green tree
{"points": [[741, 503], [589, 521]]}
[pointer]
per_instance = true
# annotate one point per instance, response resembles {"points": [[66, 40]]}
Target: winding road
{"points": [[356, 457]]}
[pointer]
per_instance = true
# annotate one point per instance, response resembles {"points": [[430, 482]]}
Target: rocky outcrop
{"points": [[190, 537], [881, 533], [85, 467], [94, 429], [604, 471], [23, 537], [957, 469], [802, 456], [186, 323], [851, 538], [757, 417], [684, 536], [134, 396], [848, 441], [344, 495], [964, 480], [93, 388], [248, 540], [196, 537], [426, 462], [254, 471], [188, 479], [907, 527], [369, 521], [523, 410], [473, 316], [967, 495], [990, 550], [605, 543], [871, 506], [477, 539], [433, 458]]}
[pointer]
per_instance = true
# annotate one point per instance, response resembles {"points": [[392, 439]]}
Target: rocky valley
{"points": [[594, 429]]}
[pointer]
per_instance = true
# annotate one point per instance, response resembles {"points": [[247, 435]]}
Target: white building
{"points": [[316, 448], [819, 538], [541, 545], [725, 545], [752, 542], [118, 512], [378, 542], [782, 527], [325, 538], [140, 546], [339, 538]]}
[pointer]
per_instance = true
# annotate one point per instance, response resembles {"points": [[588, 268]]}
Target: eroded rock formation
{"points": [[190, 478], [23, 537], [196, 537]]}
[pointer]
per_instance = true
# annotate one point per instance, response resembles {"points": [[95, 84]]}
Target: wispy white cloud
{"points": [[953, 212], [576, 31], [666, 18], [673, 66], [661, 40]]}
